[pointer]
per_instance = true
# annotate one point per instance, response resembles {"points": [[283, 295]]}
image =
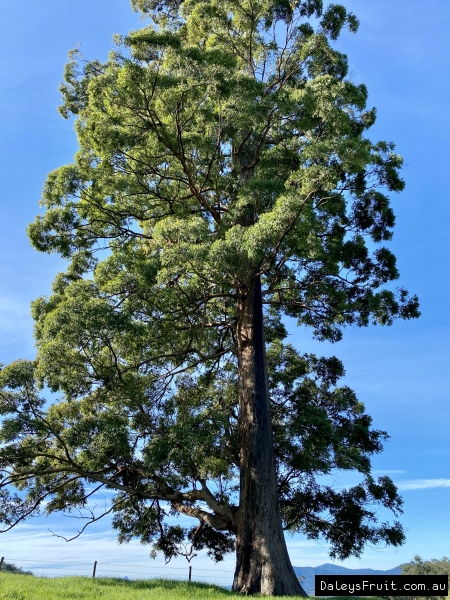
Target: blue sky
{"points": [[401, 373]]}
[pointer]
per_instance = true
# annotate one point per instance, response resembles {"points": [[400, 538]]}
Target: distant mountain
{"points": [[328, 569]]}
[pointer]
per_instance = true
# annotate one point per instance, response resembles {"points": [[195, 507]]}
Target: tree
{"points": [[222, 181], [418, 566], [10, 568]]}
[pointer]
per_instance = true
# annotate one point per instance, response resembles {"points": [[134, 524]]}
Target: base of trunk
{"points": [[266, 569]]}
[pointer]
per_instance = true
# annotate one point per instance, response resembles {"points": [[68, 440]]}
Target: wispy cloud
{"points": [[422, 484], [34, 548], [387, 471], [296, 544]]}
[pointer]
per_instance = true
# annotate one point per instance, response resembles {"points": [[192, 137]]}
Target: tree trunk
{"points": [[262, 561]]}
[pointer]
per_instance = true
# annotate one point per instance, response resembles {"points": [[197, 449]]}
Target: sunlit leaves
{"points": [[220, 143]]}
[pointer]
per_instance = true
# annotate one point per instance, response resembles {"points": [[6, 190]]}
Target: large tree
{"points": [[223, 180]]}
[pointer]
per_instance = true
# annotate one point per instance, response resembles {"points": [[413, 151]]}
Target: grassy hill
{"points": [[23, 587]]}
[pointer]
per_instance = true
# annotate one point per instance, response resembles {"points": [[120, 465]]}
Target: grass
{"points": [[24, 587]]}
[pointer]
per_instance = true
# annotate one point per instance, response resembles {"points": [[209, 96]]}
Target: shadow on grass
{"points": [[165, 588], [190, 588]]}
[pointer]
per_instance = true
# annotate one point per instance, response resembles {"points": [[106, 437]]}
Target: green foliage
{"points": [[150, 446], [418, 566], [220, 143], [10, 568]]}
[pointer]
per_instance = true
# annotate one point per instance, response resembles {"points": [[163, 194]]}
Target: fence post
{"points": [[190, 572], [1, 562], [95, 568]]}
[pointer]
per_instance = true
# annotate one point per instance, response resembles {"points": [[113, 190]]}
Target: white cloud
{"points": [[33, 548], [387, 471], [422, 484], [296, 544]]}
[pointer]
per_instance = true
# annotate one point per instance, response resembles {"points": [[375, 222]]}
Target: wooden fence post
{"points": [[95, 568], [1, 562], [190, 573]]}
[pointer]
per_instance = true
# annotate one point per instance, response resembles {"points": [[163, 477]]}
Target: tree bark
{"points": [[262, 561]]}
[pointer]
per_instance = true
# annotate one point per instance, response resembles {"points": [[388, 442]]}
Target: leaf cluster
{"points": [[218, 144], [418, 566], [165, 452], [10, 568]]}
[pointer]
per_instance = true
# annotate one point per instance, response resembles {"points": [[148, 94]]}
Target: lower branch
{"points": [[214, 521]]}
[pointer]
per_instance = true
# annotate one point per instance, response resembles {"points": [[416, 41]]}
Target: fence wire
{"points": [[96, 569]]}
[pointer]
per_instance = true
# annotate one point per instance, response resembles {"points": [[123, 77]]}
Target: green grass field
{"points": [[24, 587]]}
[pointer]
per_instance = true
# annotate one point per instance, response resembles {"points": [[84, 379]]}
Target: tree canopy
{"points": [[418, 566], [223, 181], [151, 449]]}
